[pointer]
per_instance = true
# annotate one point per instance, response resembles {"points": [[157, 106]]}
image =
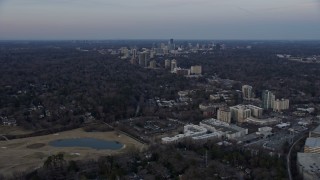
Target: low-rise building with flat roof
{"points": [[312, 145], [308, 165], [230, 131], [315, 132], [263, 122]]}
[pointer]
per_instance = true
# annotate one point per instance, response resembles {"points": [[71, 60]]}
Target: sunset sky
{"points": [[159, 19]]}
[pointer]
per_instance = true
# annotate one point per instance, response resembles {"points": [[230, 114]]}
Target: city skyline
{"points": [[188, 19]]}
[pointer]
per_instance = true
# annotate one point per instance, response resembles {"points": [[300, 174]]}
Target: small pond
{"points": [[87, 142]]}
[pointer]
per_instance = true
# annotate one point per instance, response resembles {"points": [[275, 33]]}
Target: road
{"points": [[289, 155], [4, 137], [139, 140]]}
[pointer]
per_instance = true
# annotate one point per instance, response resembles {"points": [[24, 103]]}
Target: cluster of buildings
{"points": [[162, 49], [242, 113], [270, 102], [309, 59], [194, 70], [208, 129], [146, 57], [8, 122], [245, 113], [308, 162]]}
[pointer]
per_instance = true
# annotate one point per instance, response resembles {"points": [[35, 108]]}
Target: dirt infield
{"points": [[30, 153]]}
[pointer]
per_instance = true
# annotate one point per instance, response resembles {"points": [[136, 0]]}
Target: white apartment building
{"points": [[280, 105]]}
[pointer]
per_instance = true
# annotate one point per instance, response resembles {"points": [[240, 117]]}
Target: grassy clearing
{"points": [[30, 153]]}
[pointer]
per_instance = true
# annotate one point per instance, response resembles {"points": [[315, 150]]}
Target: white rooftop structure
{"points": [[268, 121], [283, 125], [208, 136], [189, 130], [229, 130]]}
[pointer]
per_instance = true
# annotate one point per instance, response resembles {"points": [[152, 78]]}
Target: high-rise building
{"points": [[167, 64], [171, 45], [240, 112], [280, 105], [224, 114], [171, 41], [153, 64], [141, 59], [267, 99], [134, 53], [247, 92], [133, 61], [173, 64], [196, 70], [256, 111]]}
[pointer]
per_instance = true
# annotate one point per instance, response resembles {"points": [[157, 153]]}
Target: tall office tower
{"points": [[196, 70], [147, 58], [267, 99], [171, 44], [173, 64], [142, 59], [167, 64], [134, 53], [247, 92], [153, 64], [224, 114], [171, 41]]}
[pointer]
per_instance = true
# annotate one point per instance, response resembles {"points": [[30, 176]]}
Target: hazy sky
{"points": [[159, 19]]}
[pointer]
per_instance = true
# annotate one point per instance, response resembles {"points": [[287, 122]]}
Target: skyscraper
{"points": [[247, 92], [171, 44], [141, 59], [167, 64], [173, 64], [134, 53], [171, 41], [153, 64], [267, 99]]}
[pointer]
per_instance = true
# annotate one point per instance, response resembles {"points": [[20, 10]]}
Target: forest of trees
{"points": [[186, 159], [53, 87]]}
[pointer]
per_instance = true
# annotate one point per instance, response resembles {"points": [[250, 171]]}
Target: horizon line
{"points": [[159, 39]]}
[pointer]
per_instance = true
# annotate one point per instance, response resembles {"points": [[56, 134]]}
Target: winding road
{"points": [[289, 155], [4, 137]]}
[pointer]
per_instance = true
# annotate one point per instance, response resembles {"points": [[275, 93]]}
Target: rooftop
{"points": [[222, 126], [313, 142], [309, 162]]}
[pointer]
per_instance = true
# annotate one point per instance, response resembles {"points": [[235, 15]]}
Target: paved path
{"points": [[4, 137]]}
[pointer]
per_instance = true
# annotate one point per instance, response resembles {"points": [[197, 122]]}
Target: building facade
{"points": [[280, 105], [173, 64], [224, 114], [247, 92], [167, 64], [240, 112], [267, 99], [196, 70]]}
